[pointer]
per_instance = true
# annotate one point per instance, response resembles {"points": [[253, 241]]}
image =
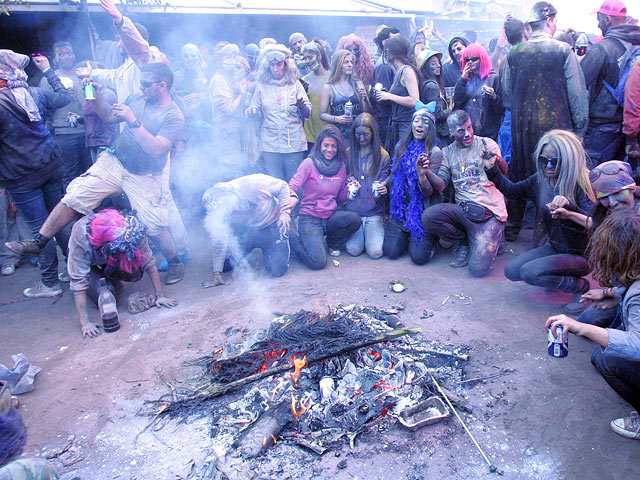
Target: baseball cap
{"points": [[615, 8]]}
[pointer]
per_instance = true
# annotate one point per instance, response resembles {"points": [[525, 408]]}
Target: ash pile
{"points": [[316, 381]]}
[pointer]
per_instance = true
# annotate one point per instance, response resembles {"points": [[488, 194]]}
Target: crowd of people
{"points": [[304, 152]]}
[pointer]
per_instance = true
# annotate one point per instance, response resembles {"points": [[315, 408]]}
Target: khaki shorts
{"points": [[149, 194]]}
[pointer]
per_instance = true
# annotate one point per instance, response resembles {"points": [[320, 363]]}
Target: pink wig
{"points": [[107, 231], [363, 69], [477, 50]]}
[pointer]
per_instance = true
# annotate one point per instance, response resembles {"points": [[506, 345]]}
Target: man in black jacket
{"points": [[604, 139], [30, 163], [452, 70]]}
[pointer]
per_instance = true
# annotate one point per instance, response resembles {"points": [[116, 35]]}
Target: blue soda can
{"points": [[374, 189], [555, 347]]}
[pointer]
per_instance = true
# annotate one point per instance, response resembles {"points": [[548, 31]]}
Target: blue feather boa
{"points": [[407, 200]]}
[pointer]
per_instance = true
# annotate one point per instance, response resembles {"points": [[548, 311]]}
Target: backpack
{"points": [[625, 62]]}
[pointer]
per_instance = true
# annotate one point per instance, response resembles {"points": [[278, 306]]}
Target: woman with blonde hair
{"points": [[362, 64], [561, 181], [343, 89], [280, 99]]}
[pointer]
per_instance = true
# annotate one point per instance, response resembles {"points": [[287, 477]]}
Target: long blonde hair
{"points": [[572, 164], [336, 67]]}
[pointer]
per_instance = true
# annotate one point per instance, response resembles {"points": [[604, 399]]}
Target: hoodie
{"points": [[452, 70], [601, 63]]}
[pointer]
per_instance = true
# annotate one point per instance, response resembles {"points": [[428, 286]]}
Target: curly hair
{"points": [[615, 249], [363, 67], [291, 73]]}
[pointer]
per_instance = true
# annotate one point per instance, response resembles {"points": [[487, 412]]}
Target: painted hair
{"points": [[429, 140], [329, 131], [572, 164], [615, 249], [13, 435], [363, 66], [318, 50], [457, 117], [477, 50], [365, 120], [117, 237]]}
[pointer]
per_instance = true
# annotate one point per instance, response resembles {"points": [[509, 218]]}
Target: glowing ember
{"points": [[297, 408], [298, 365]]}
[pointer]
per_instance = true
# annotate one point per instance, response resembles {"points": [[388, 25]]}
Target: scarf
{"points": [[328, 168], [407, 200], [11, 70]]}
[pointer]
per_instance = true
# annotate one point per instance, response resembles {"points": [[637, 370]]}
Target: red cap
{"points": [[615, 8]]}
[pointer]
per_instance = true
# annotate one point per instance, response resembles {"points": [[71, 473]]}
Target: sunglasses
{"points": [[473, 59], [146, 85], [608, 169], [548, 162]]}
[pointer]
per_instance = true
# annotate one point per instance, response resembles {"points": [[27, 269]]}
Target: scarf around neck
{"points": [[328, 168], [407, 200]]}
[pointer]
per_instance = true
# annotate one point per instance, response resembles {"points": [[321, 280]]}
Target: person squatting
{"points": [[309, 152]]}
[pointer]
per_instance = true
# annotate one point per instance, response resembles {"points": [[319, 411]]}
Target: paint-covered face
{"points": [[434, 65], [347, 65], [355, 51], [297, 45], [311, 59], [191, 60], [457, 48], [65, 57], [277, 68], [420, 127], [328, 148], [623, 198], [549, 161], [603, 22], [420, 38], [364, 135], [463, 134]]}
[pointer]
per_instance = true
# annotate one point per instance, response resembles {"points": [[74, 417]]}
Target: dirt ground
{"points": [[549, 419]]}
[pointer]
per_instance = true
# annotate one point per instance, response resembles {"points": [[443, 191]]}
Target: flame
{"points": [[382, 385], [297, 407], [298, 365], [274, 439], [270, 358], [264, 442]]}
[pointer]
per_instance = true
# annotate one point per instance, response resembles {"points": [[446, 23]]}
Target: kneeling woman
{"points": [[323, 180], [112, 246], [369, 167], [615, 256], [561, 181], [415, 187]]}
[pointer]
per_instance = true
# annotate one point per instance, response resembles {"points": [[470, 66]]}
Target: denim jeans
{"points": [[76, 156], [621, 374], [308, 244], [545, 267], [598, 317], [603, 143], [398, 240], [275, 248], [282, 165], [448, 221], [35, 205], [369, 237]]}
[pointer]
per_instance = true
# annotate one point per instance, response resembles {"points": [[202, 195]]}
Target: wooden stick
{"points": [[221, 389]]}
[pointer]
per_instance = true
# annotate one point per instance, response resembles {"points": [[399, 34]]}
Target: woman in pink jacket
{"points": [[323, 179]]}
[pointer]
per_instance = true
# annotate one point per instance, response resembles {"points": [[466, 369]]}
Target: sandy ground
{"points": [[549, 419]]}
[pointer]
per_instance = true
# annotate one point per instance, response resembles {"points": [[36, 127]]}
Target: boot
{"points": [[574, 307]]}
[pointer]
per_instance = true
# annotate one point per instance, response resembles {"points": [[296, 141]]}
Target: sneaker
{"points": [[175, 273], [64, 277], [184, 256], [7, 270], [627, 426], [24, 247], [460, 257], [41, 290], [335, 253]]}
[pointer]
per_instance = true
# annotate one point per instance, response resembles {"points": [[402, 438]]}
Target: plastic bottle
{"points": [[108, 308]]}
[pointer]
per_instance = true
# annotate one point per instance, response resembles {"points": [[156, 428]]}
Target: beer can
{"points": [[348, 108], [353, 191], [72, 119], [378, 87], [374, 189], [89, 92], [555, 346]]}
